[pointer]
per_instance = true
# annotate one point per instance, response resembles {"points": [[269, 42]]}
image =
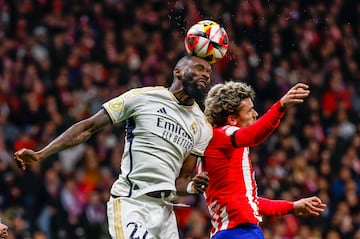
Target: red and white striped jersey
{"points": [[232, 193]]}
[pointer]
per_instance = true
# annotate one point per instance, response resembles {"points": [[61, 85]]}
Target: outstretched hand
{"points": [[200, 182], [24, 157], [311, 206], [295, 95]]}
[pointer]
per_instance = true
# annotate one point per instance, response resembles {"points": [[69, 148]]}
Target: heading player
{"points": [[166, 132]]}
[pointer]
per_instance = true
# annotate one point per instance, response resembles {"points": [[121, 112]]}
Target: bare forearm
{"points": [[75, 135], [192, 185], [181, 185], [198, 183]]}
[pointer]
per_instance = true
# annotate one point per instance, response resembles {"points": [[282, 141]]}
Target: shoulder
{"points": [[227, 130], [222, 135], [137, 94], [146, 90]]}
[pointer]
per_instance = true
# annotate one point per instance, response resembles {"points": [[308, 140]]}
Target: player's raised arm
{"points": [[76, 134]]}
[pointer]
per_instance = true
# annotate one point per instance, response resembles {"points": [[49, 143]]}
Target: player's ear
{"points": [[178, 73], [231, 120]]}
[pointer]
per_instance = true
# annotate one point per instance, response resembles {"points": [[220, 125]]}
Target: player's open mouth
{"points": [[203, 83]]}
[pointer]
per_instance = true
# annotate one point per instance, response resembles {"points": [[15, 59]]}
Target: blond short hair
{"points": [[224, 99]]}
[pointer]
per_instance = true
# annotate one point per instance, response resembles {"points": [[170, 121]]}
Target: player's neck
{"points": [[181, 96]]}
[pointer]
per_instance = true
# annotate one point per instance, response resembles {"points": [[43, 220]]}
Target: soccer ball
{"points": [[207, 39]]}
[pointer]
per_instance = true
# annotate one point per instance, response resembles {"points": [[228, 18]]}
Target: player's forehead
{"points": [[198, 61], [246, 104]]}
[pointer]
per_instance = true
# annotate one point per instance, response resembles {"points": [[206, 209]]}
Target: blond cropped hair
{"points": [[224, 99]]}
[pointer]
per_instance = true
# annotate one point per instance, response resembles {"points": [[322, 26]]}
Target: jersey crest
{"points": [[194, 127]]}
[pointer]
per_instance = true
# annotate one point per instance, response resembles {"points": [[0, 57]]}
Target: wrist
{"points": [[296, 208], [281, 106], [190, 188]]}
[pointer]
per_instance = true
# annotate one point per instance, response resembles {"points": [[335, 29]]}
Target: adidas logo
{"points": [[161, 110]]}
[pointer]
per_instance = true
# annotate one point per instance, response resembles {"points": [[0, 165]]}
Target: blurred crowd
{"points": [[60, 60]]}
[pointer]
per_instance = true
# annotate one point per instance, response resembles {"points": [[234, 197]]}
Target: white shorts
{"points": [[142, 217]]}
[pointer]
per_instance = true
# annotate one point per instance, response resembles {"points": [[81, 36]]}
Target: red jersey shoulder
{"points": [[222, 135], [228, 130]]}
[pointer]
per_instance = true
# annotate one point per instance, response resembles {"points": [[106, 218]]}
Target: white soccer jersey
{"points": [[161, 133]]}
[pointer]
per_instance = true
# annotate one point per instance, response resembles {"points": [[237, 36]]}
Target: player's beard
{"points": [[192, 89]]}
